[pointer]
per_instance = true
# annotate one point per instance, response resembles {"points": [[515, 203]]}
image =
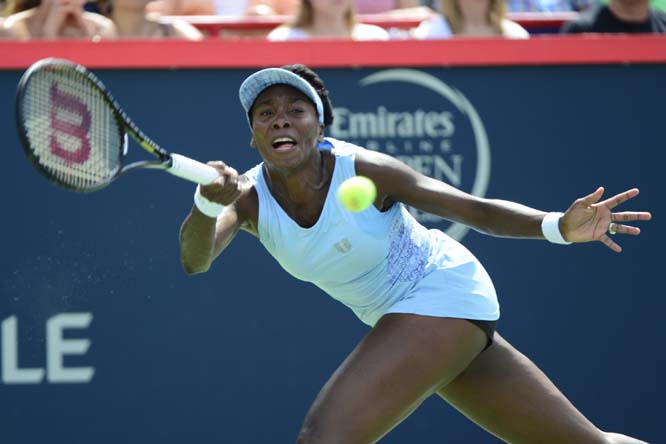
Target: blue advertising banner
{"points": [[105, 339]]}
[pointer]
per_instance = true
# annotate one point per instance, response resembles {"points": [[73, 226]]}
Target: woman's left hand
{"points": [[587, 219]]}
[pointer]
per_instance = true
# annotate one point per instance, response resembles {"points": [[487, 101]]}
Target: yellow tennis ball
{"points": [[357, 193]]}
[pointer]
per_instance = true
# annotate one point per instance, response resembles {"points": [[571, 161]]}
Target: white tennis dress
{"points": [[375, 262]]}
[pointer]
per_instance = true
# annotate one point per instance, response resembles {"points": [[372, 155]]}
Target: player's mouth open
{"points": [[283, 143]]}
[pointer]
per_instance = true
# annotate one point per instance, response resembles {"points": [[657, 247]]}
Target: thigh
{"points": [[505, 393], [403, 359]]}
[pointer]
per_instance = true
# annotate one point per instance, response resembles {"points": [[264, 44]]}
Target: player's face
{"points": [[285, 126]]}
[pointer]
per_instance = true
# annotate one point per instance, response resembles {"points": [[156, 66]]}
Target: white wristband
{"points": [[550, 226], [210, 209]]}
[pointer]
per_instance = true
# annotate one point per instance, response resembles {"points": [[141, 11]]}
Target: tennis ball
{"points": [[357, 193]]}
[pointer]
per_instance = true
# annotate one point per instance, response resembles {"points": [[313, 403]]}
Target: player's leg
{"points": [[403, 360], [505, 393]]}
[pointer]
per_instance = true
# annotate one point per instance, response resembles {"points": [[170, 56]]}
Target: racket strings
{"points": [[72, 131]]}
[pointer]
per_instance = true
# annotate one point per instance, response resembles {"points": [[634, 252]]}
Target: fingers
{"points": [[226, 172], [626, 216], [621, 198], [227, 188], [58, 12], [593, 197], [614, 228], [219, 166], [610, 243]]}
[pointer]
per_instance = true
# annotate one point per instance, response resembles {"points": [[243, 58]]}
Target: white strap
{"points": [[550, 226], [210, 209]]}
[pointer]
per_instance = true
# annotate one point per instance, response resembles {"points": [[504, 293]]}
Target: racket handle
{"points": [[192, 170]]}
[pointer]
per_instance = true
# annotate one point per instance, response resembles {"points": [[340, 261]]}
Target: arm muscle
{"points": [[398, 182]]}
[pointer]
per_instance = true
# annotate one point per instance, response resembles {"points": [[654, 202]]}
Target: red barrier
{"points": [[220, 53]]}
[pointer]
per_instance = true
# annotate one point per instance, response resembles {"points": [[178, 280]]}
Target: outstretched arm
{"points": [[398, 182]]}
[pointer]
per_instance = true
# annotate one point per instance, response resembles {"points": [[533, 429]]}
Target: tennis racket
{"points": [[75, 133]]}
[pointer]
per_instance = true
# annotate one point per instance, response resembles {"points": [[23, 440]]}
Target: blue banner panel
{"points": [[104, 339]]}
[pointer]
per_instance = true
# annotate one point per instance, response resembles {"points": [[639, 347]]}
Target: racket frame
{"points": [[175, 164]]}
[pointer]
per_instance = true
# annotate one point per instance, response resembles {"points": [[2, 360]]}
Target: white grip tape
{"points": [[550, 227], [192, 170]]}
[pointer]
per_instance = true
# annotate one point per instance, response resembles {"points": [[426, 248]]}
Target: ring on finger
{"points": [[611, 227]]}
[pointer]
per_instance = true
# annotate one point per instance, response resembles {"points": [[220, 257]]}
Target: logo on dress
{"points": [[440, 135], [344, 246]]}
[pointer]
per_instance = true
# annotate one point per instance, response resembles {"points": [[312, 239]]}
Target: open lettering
{"points": [[57, 347]]}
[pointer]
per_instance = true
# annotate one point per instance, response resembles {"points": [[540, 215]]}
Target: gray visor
{"points": [[260, 80]]}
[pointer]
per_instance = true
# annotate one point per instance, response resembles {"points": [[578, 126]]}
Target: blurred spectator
{"points": [[327, 18], [272, 7], [432, 4], [470, 18], [132, 21], [181, 7], [380, 6], [55, 19], [237, 8], [234, 8], [619, 16], [4, 33], [396, 10], [549, 5]]}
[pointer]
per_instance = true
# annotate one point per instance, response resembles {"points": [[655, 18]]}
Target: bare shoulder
{"points": [[392, 177], [397, 181], [5, 33], [286, 32], [19, 17], [378, 166], [16, 25], [185, 30], [365, 31], [103, 26], [366, 158]]}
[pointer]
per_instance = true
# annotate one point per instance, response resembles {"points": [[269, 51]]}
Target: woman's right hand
{"points": [[202, 239], [227, 188]]}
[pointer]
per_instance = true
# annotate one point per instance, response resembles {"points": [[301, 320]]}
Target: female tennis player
{"points": [[431, 304]]}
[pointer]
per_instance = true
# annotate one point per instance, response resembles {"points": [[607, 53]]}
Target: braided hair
{"points": [[318, 84]]}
